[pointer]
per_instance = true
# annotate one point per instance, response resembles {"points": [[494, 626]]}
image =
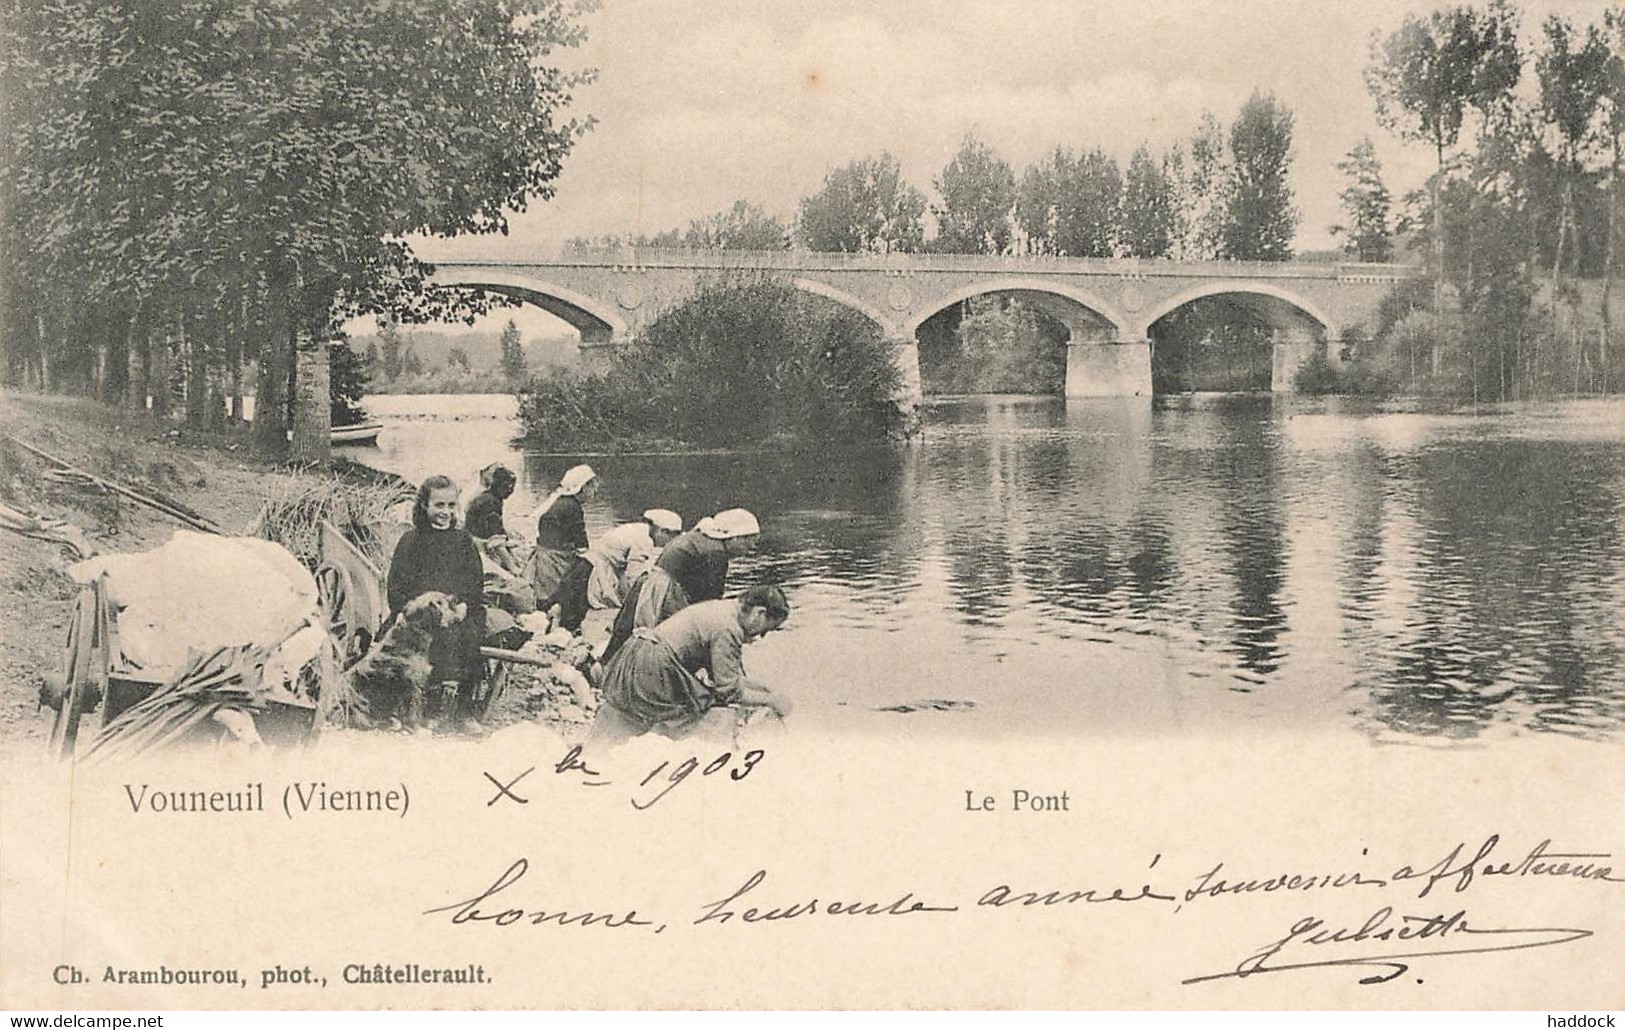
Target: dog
{"points": [[393, 677]]}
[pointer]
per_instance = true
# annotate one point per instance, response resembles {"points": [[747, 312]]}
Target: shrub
{"points": [[1318, 375], [738, 363]]}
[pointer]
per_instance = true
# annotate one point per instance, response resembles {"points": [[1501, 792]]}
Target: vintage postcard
{"points": [[1022, 505]]}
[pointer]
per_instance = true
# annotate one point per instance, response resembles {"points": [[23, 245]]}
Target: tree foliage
{"points": [[744, 226], [347, 376], [978, 191], [233, 180], [738, 363], [1367, 205], [1071, 204], [864, 207], [1426, 75], [1260, 219], [1149, 226], [512, 359]]}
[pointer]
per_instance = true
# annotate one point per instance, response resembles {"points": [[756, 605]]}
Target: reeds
{"points": [[223, 677], [296, 504]]}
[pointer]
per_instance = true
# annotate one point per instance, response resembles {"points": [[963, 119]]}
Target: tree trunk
{"points": [[197, 368], [276, 358], [1438, 257], [1557, 259], [99, 360], [1605, 346], [162, 356], [312, 412], [234, 353], [135, 354]]}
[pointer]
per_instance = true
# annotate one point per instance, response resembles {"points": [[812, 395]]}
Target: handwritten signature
{"points": [[1446, 934]]}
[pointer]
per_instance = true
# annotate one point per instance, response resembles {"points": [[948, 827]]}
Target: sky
{"points": [[699, 104]]}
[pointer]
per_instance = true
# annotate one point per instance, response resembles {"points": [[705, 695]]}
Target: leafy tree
{"points": [[372, 359], [347, 384], [1148, 207], [1199, 175], [1260, 219], [1071, 205], [1614, 100], [978, 192], [411, 364], [248, 172], [389, 331], [1366, 203], [1003, 345], [1427, 73], [864, 207], [458, 359], [1036, 201], [744, 226], [1573, 72], [513, 353], [1088, 208]]}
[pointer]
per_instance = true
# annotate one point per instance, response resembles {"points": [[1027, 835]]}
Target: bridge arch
{"points": [[845, 299], [1090, 302], [596, 321], [1238, 288]]}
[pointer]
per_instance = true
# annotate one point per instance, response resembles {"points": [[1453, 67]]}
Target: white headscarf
{"points": [[734, 522], [570, 484], [662, 518]]}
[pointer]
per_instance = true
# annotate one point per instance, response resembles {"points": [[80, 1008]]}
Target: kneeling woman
{"points": [[654, 681]]}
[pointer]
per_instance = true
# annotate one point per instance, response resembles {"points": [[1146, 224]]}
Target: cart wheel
{"points": [[333, 599], [496, 678]]}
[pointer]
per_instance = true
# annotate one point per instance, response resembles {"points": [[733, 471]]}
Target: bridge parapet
{"points": [[633, 258]]}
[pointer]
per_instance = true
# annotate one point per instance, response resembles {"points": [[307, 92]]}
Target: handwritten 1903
{"points": [[660, 780]]}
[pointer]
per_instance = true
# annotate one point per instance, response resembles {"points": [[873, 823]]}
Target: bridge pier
{"points": [[596, 358], [1106, 368], [905, 351], [1291, 350]]}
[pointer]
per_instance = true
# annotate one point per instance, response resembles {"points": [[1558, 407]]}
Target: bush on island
{"points": [[740, 363]]}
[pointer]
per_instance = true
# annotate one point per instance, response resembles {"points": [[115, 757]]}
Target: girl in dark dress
{"points": [[437, 555]]}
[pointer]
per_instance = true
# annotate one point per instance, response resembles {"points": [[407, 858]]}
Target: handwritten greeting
{"points": [[1413, 912]]}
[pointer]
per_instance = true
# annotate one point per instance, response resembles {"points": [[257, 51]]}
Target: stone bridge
{"points": [[1109, 306]]}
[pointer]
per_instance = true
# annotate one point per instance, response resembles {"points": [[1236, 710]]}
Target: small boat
{"points": [[361, 432]]}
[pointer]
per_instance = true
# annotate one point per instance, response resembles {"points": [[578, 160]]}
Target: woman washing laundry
{"points": [[621, 555], [668, 679], [695, 562], [558, 571], [506, 586], [698, 560]]}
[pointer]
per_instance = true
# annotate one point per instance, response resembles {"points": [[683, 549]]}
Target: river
{"points": [[1207, 565]]}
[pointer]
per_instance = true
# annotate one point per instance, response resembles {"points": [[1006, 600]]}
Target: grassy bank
{"points": [[216, 476]]}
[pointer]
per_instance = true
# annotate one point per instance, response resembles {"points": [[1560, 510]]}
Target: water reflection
{"points": [[1216, 563]]}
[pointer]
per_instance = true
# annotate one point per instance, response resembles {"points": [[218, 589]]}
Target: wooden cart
{"points": [[95, 674]]}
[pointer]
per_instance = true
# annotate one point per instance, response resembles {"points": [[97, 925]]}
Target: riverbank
{"points": [[216, 475]]}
